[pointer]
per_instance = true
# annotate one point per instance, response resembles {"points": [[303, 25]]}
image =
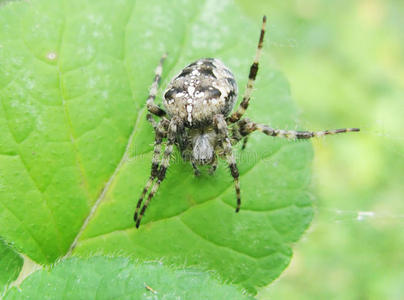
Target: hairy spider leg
{"points": [[171, 135], [245, 127], [151, 106], [160, 133], [234, 117], [149, 117], [245, 140], [196, 170], [159, 129], [223, 137], [213, 165]]}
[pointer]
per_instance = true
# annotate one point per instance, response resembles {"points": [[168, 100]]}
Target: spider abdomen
{"points": [[202, 90]]}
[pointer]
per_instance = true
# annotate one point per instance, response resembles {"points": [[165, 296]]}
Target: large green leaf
{"points": [[75, 149], [118, 278], [10, 265]]}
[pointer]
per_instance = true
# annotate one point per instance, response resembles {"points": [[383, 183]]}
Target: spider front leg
{"points": [[244, 127], [224, 141], [161, 174], [160, 133], [234, 117], [151, 106]]}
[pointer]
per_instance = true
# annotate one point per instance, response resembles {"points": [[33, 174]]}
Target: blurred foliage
{"points": [[345, 63]]}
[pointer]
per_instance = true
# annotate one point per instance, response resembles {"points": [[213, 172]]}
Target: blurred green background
{"points": [[345, 63]]}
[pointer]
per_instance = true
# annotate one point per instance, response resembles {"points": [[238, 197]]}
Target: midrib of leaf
{"points": [[125, 156]]}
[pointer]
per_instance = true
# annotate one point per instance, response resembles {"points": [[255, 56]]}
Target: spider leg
{"points": [[171, 135], [196, 170], [160, 133], [234, 117], [149, 117], [213, 166], [223, 137], [151, 106], [245, 140], [245, 127]]}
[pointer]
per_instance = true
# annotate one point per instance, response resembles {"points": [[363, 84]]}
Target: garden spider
{"points": [[196, 119]]}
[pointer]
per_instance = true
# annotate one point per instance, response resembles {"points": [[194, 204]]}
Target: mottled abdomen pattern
{"points": [[203, 89]]}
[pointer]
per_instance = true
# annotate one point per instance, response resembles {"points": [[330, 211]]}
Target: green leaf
{"points": [[118, 278], [75, 148], [10, 265]]}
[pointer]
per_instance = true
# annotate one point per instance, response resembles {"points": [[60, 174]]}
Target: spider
{"points": [[197, 120]]}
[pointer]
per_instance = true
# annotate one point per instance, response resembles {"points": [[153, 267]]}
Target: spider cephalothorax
{"points": [[196, 119]]}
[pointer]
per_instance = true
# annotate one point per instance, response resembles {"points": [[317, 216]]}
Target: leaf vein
{"points": [[34, 182], [27, 229], [66, 110]]}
